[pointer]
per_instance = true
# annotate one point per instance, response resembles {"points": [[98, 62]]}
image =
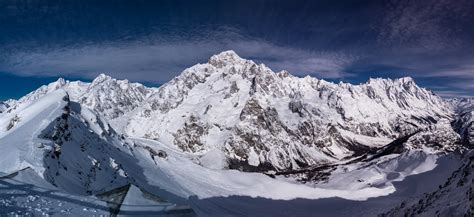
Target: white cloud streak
{"points": [[422, 24], [160, 61], [452, 94]]}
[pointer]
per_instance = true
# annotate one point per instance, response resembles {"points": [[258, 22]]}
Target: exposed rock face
{"points": [[188, 138], [464, 123], [258, 117], [13, 122]]}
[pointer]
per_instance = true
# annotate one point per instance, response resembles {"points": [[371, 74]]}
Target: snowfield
{"points": [[19, 144], [182, 176]]}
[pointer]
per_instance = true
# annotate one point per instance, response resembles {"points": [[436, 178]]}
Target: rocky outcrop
{"points": [[464, 122], [188, 138]]}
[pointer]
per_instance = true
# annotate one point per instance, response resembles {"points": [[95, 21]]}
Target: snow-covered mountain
{"points": [[51, 139], [258, 120], [202, 132], [62, 141], [263, 120]]}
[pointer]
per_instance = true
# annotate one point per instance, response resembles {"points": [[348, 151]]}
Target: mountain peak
{"points": [[56, 85], [227, 54], [225, 58], [402, 80], [406, 79], [101, 78], [61, 81]]}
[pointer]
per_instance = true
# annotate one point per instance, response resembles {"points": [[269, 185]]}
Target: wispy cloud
{"points": [[430, 40], [465, 85], [159, 61], [453, 94], [424, 24], [298, 61], [452, 65]]}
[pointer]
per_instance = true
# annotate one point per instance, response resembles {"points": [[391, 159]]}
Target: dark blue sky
{"points": [[153, 41]]}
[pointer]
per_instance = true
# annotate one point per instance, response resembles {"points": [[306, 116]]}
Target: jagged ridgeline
{"points": [[259, 120]]}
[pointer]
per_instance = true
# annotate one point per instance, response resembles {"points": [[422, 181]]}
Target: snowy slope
{"points": [[455, 197], [27, 194], [71, 149], [68, 145], [180, 174], [20, 128]]}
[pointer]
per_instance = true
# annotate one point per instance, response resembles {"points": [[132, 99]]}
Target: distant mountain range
{"points": [[231, 127]]}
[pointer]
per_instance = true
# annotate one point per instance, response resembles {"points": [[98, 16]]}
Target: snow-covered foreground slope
{"points": [[63, 142], [68, 149], [229, 135], [454, 197], [27, 194], [182, 176], [19, 142]]}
